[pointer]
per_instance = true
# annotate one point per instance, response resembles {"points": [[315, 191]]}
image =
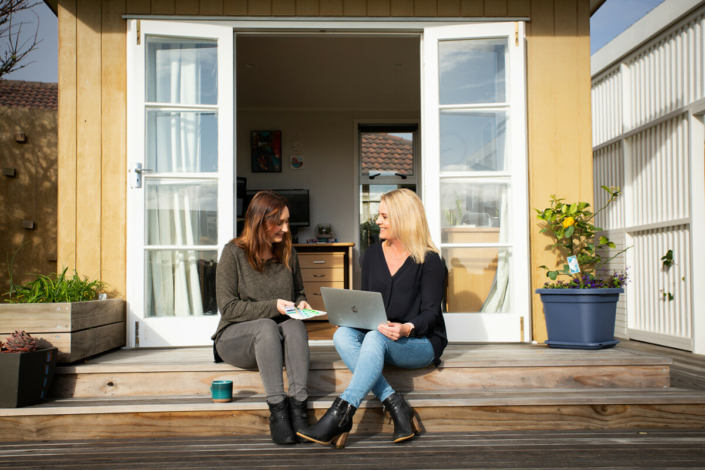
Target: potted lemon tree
{"points": [[580, 300]]}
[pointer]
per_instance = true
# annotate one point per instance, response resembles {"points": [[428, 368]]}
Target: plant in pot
{"points": [[324, 231], [26, 370], [580, 311], [62, 310]]}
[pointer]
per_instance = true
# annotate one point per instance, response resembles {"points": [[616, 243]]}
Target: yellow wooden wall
{"points": [[92, 109]]}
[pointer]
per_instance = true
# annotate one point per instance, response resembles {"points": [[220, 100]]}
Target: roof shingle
{"points": [[37, 95], [384, 152]]}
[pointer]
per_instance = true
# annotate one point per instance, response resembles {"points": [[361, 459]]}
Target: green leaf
{"points": [[612, 245], [604, 240], [543, 230], [552, 274], [573, 208], [569, 231]]}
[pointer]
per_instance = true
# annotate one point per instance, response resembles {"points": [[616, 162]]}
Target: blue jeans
{"points": [[365, 354]]}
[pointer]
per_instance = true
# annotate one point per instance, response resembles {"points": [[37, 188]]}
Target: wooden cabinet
{"points": [[324, 265]]}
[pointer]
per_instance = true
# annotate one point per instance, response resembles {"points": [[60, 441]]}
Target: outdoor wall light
{"points": [[20, 137], [28, 224], [9, 172]]}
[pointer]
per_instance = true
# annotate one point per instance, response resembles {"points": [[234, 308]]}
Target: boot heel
{"points": [[415, 425], [340, 440]]}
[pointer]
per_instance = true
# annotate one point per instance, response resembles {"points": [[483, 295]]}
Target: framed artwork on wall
{"points": [[266, 151]]}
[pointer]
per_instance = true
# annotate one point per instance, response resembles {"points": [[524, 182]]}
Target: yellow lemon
{"points": [[568, 222]]}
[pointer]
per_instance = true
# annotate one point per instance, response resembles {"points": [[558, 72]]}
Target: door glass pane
{"points": [[474, 212], [182, 141], [478, 279], [370, 197], [472, 71], [180, 283], [387, 154], [181, 212], [474, 140], [182, 71]]}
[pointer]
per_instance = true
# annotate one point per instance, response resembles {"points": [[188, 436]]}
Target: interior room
{"points": [[316, 89]]}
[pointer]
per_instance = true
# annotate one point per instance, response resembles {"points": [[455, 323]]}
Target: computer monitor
{"points": [[298, 202]]}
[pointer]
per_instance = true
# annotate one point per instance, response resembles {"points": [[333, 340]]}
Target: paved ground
{"points": [[627, 449]]}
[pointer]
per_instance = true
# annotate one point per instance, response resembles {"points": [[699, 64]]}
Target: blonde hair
{"points": [[408, 224]]}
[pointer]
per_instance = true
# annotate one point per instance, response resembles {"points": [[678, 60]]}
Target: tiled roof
{"points": [[384, 152], [37, 95]]}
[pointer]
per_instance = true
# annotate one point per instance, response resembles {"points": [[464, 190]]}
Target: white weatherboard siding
{"points": [[646, 99]]}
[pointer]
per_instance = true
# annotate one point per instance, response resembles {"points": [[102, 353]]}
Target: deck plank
{"points": [[422, 399]]}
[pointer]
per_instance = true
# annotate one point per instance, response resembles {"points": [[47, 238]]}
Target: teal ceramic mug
{"points": [[222, 391]]}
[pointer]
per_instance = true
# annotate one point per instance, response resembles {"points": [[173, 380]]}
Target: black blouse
{"points": [[414, 294]]}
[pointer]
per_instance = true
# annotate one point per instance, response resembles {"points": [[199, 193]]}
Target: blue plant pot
{"points": [[580, 318]]}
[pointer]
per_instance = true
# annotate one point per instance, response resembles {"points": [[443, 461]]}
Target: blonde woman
{"points": [[407, 270]]}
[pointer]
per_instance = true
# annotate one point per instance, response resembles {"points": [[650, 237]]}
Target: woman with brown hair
{"points": [[258, 276]]}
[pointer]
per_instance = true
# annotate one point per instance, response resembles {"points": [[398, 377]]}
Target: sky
{"points": [[615, 16], [607, 23]]}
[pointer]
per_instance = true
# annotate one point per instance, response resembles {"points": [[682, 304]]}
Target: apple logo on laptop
{"points": [[354, 309]]}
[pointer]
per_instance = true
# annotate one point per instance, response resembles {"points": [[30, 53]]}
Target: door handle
{"points": [[319, 262], [319, 275], [136, 171]]}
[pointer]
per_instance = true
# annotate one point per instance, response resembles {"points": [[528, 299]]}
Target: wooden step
{"points": [[467, 411], [189, 372]]}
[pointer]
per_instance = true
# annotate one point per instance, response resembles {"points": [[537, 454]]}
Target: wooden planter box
{"points": [[78, 329], [26, 377]]}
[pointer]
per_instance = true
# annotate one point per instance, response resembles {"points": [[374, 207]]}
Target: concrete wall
{"points": [[30, 195]]}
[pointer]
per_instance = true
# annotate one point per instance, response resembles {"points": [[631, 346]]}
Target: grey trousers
{"points": [[270, 346]]}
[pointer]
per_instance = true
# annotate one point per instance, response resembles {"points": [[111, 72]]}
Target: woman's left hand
{"points": [[303, 304], [394, 331]]}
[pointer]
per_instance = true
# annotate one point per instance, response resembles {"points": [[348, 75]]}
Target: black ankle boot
{"points": [[299, 417], [405, 425], [334, 426], [280, 423]]}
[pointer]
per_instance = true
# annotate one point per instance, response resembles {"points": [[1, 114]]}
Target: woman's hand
{"points": [[394, 331], [303, 304], [282, 304]]}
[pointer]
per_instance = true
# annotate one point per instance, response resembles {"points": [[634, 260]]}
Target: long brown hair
{"points": [[263, 213]]}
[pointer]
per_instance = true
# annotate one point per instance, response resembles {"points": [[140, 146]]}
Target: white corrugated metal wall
{"points": [[643, 108]]}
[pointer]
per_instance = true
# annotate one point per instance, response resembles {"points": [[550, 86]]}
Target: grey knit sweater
{"points": [[245, 294]]}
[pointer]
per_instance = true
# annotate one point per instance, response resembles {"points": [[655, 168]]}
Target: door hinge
{"points": [[521, 327], [139, 35], [516, 33], [137, 334]]}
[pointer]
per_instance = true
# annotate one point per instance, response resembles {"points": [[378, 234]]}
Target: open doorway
{"points": [[313, 89]]}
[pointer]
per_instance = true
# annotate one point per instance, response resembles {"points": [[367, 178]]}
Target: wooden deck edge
{"points": [[433, 419], [508, 398], [339, 365]]}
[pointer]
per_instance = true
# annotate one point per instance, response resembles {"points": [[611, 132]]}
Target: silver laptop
{"points": [[354, 308]]}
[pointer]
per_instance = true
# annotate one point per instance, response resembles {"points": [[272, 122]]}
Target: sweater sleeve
{"points": [[433, 277], [299, 294], [231, 307]]}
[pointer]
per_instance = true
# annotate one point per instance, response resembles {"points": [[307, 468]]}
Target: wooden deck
{"points": [[165, 393], [585, 450]]}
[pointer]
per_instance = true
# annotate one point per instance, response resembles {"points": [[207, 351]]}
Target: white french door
{"points": [[180, 195], [475, 176]]}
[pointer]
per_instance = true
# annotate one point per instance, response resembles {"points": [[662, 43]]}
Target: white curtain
{"points": [[172, 207], [498, 299]]}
